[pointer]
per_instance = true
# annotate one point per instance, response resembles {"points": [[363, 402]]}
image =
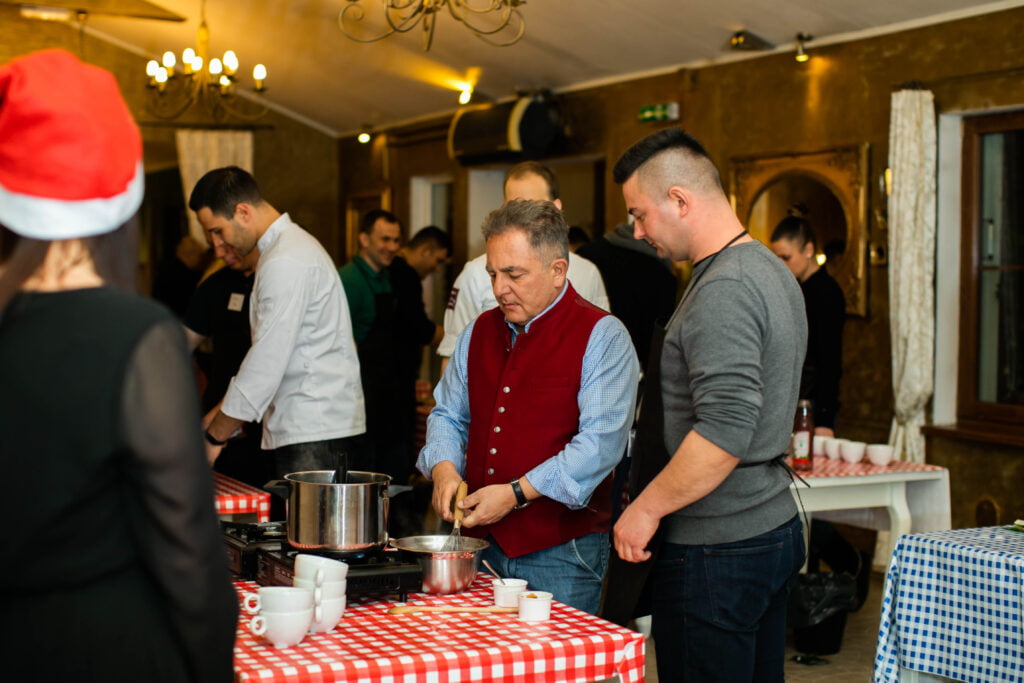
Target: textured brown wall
{"points": [[984, 476], [297, 166]]}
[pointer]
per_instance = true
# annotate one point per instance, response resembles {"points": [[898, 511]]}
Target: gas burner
{"points": [[254, 531], [379, 573], [243, 541]]}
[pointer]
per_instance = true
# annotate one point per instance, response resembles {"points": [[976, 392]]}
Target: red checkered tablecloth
{"points": [[232, 497], [371, 646], [824, 467]]}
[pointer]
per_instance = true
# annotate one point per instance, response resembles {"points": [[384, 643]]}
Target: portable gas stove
{"points": [[260, 553]]}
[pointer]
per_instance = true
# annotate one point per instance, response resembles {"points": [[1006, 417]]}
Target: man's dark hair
{"points": [[637, 155], [534, 168], [432, 235], [543, 223], [222, 189], [372, 216]]}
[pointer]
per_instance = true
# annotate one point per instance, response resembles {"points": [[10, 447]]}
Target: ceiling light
{"points": [[45, 13], [745, 40], [172, 94], [466, 95], [499, 24], [801, 54], [366, 135]]}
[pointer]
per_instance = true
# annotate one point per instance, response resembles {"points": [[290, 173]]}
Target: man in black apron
{"points": [[713, 519], [372, 305]]}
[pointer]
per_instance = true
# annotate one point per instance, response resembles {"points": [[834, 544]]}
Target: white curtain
{"points": [[912, 151], [200, 151]]}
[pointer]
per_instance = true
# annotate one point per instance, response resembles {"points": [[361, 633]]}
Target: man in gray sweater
{"points": [[729, 377]]}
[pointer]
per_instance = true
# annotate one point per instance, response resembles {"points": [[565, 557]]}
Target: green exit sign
{"points": [[668, 111]]}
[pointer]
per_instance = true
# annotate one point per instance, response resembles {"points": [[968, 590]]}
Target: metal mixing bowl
{"points": [[444, 572]]}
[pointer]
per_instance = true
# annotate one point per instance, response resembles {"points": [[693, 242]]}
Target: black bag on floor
{"points": [[818, 607]]}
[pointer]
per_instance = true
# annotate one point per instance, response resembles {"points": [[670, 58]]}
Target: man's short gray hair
{"points": [[543, 223]]}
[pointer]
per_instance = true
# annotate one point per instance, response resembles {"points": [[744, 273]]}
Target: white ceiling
{"points": [[323, 77]]}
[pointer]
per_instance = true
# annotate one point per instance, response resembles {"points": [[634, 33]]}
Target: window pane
{"points": [[1001, 269]]}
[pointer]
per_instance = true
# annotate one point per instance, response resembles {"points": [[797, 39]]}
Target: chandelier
{"points": [[497, 22], [211, 82]]}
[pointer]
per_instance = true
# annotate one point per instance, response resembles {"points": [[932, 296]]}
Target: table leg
{"points": [[899, 516]]}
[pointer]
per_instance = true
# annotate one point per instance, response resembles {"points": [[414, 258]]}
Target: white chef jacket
{"points": [[472, 294], [301, 375]]}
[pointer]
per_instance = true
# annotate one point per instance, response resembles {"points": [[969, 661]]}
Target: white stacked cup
{"points": [[283, 613], [327, 579]]}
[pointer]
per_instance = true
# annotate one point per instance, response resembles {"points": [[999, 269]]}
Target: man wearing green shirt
{"points": [[372, 306]]}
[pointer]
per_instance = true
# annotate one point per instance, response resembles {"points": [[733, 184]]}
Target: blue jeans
{"points": [[573, 572], [720, 610]]}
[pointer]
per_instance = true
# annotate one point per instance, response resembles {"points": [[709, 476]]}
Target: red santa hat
{"points": [[70, 153]]}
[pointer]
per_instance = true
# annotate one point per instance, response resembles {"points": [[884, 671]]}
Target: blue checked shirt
{"points": [[606, 400]]}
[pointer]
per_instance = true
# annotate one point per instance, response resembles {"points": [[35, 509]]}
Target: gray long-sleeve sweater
{"points": [[731, 370]]}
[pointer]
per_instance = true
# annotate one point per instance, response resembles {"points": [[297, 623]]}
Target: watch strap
{"points": [[521, 500], [213, 441]]}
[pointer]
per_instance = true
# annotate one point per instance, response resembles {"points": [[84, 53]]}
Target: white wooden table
{"points": [[902, 497]]}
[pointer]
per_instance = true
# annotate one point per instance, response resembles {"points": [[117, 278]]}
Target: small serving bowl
{"points": [[880, 454], [852, 451], [832, 447]]}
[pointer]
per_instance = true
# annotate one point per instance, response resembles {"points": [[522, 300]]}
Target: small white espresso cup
{"points": [[832, 447], [534, 606], [319, 569], [879, 453], [506, 591], [852, 451], [278, 599], [284, 629]]}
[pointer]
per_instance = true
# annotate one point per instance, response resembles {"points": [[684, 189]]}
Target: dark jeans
{"points": [[319, 455], [720, 610]]}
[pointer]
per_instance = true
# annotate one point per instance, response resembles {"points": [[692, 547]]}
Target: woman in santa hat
{"points": [[113, 566]]}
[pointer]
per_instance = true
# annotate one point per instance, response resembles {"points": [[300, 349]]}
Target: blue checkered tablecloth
{"points": [[954, 606]]}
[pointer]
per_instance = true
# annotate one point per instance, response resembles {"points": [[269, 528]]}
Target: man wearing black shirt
{"points": [[219, 312], [424, 254]]}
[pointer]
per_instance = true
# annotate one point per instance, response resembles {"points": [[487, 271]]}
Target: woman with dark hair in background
{"points": [[115, 568], [794, 242]]}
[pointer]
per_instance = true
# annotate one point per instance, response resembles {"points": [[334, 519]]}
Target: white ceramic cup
{"points": [[319, 569], [278, 599], [852, 451], [328, 590], [879, 453], [283, 629], [819, 444], [330, 614], [506, 592], [832, 448], [534, 606]]}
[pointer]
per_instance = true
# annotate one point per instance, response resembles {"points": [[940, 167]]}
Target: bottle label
{"points": [[801, 446]]}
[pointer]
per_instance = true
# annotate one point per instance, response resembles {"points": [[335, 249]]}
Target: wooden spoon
{"points": [[408, 609]]}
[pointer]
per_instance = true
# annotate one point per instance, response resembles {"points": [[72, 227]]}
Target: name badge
{"points": [[236, 302]]}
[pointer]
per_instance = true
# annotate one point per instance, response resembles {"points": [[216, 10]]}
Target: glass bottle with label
{"points": [[803, 435]]}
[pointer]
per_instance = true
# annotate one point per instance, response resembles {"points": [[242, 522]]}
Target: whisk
{"points": [[455, 537]]}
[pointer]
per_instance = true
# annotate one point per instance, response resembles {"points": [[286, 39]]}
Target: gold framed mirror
{"points": [[832, 186]]}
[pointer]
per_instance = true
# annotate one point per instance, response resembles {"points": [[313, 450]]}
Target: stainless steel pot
{"points": [[323, 515]]}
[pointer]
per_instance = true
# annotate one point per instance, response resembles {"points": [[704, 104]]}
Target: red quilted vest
{"points": [[523, 410]]}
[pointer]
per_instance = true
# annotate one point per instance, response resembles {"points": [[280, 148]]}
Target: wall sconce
{"points": [[465, 95], [801, 53]]}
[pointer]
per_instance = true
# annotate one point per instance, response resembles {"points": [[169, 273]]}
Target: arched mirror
{"points": [[831, 188]]}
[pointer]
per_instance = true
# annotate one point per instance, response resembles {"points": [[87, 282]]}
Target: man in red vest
{"points": [[534, 411]]}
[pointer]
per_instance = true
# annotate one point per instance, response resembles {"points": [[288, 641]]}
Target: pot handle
{"points": [[280, 487]]}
